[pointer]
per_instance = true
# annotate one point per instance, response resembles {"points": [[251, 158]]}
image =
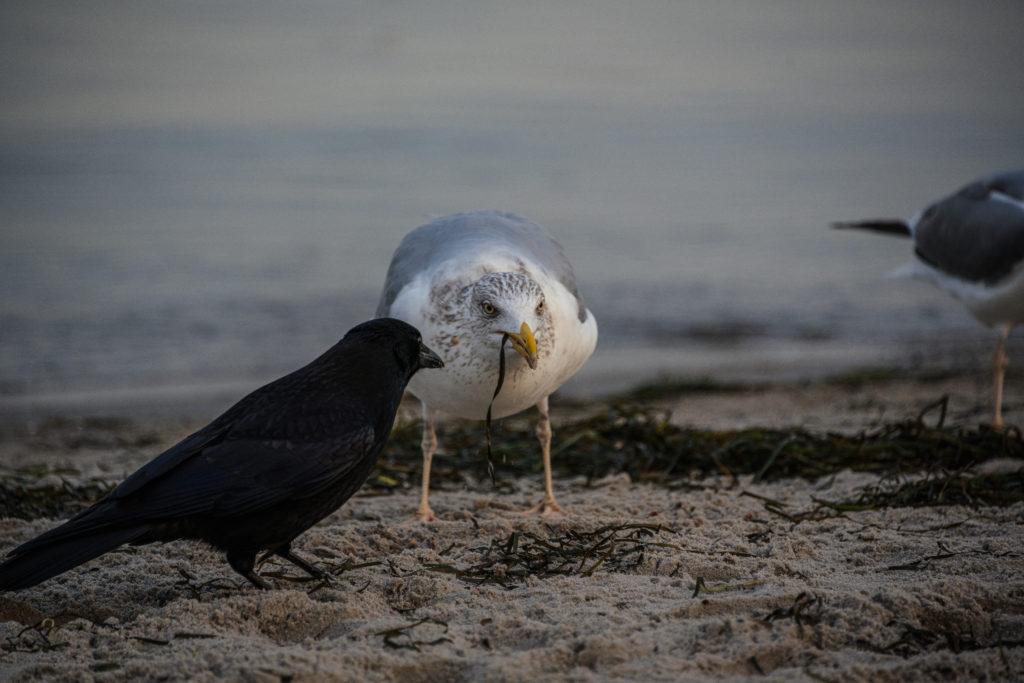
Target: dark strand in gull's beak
{"points": [[525, 344], [429, 359]]}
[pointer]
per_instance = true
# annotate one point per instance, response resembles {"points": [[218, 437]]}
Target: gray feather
{"points": [[467, 233], [972, 235]]}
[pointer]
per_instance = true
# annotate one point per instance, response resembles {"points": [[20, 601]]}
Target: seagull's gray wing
{"points": [[471, 232], [974, 234]]}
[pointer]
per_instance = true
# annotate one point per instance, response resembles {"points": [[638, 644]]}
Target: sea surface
{"points": [[196, 197]]}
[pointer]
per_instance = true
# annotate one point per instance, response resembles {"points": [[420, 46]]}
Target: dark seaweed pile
{"points": [[642, 442]]}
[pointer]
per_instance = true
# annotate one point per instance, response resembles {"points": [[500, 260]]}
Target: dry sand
{"points": [[898, 594]]}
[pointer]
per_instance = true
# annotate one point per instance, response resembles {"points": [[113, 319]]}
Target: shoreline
{"points": [[836, 397], [614, 370]]}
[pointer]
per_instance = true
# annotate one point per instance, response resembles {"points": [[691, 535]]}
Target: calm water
{"points": [[204, 195]]}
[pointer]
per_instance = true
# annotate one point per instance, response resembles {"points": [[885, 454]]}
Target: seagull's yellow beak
{"points": [[525, 344]]}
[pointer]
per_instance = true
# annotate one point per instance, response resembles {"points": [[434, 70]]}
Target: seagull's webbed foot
{"points": [[549, 508], [423, 514]]}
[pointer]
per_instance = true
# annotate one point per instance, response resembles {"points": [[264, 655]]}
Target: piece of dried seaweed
{"points": [[944, 488], [400, 638], [510, 561], [30, 494]]}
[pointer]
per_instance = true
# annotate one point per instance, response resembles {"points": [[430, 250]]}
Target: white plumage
{"points": [[464, 281]]}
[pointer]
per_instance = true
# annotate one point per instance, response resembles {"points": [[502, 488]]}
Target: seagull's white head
{"points": [[512, 304]]}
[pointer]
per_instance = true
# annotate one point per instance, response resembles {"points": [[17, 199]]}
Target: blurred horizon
{"points": [[208, 193]]}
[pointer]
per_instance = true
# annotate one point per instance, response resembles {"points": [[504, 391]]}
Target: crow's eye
{"points": [[488, 308]]}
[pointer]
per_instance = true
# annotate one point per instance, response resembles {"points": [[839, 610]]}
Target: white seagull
{"points": [[467, 280], [971, 244]]}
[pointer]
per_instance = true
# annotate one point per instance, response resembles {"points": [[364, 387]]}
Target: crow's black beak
{"points": [[429, 359]]}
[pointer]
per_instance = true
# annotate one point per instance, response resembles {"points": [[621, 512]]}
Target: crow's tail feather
{"points": [[41, 562]]}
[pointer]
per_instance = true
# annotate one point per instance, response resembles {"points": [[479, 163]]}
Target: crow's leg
{"points": [[315, 572], [243, 563]]}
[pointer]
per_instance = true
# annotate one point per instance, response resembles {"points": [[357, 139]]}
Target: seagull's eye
{"points": [[489, 308], [540, 306]]}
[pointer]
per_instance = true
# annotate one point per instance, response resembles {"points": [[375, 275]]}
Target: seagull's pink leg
{"points": [[999, 364], [429, 446], [550, 507]]}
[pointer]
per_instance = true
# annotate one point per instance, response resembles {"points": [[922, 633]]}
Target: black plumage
{"points": [[274, 464]]}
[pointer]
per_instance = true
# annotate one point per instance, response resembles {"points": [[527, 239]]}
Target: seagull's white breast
{"points": [[465, 385]]}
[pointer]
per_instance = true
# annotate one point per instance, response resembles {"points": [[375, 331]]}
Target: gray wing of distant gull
{"points": [[474, 231], [974, 234]]}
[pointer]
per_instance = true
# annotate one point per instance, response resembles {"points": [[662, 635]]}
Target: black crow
{"points": [[277, 462]]}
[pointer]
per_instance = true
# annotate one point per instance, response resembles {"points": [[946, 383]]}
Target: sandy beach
{"points": [[712, 577]]}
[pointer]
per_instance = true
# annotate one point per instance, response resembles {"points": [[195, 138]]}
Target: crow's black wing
{"points": [[279, 409], [187, 448], [227, 476], [243, 476]]}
